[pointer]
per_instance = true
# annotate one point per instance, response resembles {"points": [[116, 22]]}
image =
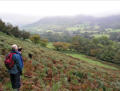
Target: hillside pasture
{"points": [[50, 70]]}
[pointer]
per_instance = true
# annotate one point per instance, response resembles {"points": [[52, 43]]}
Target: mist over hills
{"points": [[70, 21], [18, 19], [63, 20]]}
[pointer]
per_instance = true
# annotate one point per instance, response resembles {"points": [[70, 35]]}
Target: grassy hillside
{"points": [[91, 61], [50, 70], [83, 57]]}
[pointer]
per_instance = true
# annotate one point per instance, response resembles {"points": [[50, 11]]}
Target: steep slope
{"points": [[50, 70]]}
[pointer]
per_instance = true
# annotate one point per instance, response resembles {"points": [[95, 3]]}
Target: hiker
{"points": [[20, 54], [14, 66]]}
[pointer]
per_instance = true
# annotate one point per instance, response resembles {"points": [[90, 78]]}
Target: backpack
{"points": [[9, 62]]}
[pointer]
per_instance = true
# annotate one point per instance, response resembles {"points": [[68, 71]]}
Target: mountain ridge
{"points": [[79, 19]]}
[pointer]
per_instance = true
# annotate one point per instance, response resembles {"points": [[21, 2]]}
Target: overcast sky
{"points": [[25, 12]]}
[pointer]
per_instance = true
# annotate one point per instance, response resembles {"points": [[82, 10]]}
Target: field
{"points": [[50, 45], [90, 60], [100, 35], [84, 58], [114, 30], [50, 70]]}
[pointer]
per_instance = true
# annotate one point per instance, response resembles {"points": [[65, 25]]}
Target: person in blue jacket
{"points": [[20, 54], [16, 70]]}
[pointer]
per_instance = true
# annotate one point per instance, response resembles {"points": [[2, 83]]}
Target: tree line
{"points": [[102, 48], [13, 30], [16, 32]]}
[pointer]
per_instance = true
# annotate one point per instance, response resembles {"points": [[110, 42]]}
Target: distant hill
{"points": [[63, 23]]}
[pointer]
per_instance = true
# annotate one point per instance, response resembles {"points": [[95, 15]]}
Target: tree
{"points": [[61, 45], [14, 31], [115, 36], [35, 38], [25, 35], [44, 42], [57, 45]]}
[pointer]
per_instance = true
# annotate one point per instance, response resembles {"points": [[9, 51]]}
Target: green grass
{"points": [[84, 58], [88, 31], [8, 86], [50, 45], [73, 28], [64, 72], [115, 30], [100, 35]]}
